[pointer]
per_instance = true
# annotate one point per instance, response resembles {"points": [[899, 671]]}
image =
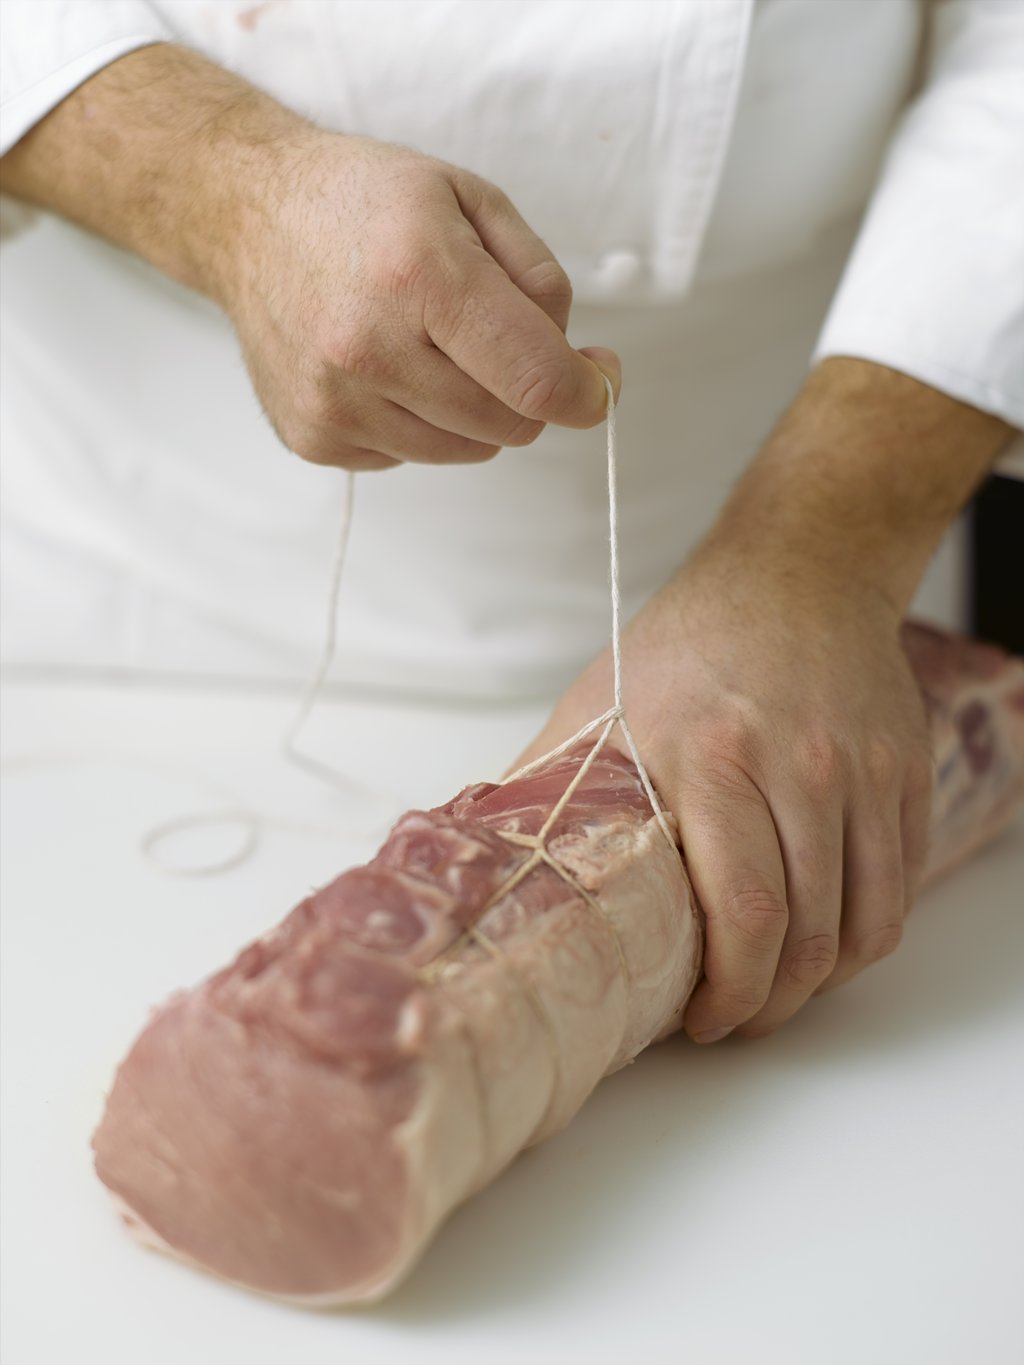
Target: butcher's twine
{"points": [[252, 822], [616, 713]]}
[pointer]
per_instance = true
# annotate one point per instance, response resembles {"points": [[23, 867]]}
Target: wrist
{"points": [[164, 153], [787, 576], [833, 546], [860, 480], [245, 183], [234, 174]]}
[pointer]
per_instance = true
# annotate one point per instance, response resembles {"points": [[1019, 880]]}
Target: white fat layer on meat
{"points": [[518, 1037]]}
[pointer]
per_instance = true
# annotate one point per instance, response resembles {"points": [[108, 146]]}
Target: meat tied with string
{"points": [[302, 1122]]}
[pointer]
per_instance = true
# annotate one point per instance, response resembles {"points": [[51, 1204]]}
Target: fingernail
{"points": [[712, 1035]]}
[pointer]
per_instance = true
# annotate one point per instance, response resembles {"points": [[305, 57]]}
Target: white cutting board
{"points": [[849, 1190]]}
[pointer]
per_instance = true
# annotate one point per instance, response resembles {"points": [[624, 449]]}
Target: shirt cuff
{"points": [[23, 109], [935, 284]]}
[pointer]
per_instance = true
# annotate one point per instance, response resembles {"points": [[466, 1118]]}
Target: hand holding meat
{"points": [[781, 724], [773, 704]]}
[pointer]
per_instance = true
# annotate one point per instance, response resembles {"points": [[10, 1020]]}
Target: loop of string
{"points": [[252, 822]]}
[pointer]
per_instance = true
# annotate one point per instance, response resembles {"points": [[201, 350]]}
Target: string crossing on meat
{"points": [[615, 715]]}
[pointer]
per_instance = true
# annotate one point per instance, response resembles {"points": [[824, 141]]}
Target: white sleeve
{"points": [[51, 46], [935, 284]]}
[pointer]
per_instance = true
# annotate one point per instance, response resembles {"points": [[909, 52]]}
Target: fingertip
{"points": [[699, 1019], [711, 1035]]}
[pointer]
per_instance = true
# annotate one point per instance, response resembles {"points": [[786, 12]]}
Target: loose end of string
{"points": [[253, 823], [288, 745]]}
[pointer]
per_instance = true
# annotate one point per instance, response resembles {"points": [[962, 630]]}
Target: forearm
{"points": [[861, 478], [164, 153]]}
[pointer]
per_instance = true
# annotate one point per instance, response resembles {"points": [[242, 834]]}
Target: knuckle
{"points": [[741, 1003], [304, 439], [735, 730], [542, 388], [317, 446], [523, 432], [410, 271], [757, 911], [810, 960], [546, 282], [821, 763], [728, 747], [879, 942], [357, 353], [474, 192]]}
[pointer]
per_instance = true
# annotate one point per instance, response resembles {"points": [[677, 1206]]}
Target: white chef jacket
{"points": [[698, 166]]}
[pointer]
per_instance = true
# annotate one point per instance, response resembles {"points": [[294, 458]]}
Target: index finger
{"points": [[525, 258], [509, 345], [735, 863]]}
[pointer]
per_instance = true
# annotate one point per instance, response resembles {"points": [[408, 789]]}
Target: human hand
{"points": [[772, 703], [392, 307], [782, 727]]}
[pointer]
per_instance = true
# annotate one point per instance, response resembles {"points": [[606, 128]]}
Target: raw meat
{"points": [[301, 1122]]}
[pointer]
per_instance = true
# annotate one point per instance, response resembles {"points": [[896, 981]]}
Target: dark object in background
{"points": [[996, 583]]}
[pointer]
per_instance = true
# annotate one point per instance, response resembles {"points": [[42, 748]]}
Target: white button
{"points": [[618, 268]]}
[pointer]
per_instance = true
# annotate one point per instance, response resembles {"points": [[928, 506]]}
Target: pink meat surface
{"points": [[301, 1122]]}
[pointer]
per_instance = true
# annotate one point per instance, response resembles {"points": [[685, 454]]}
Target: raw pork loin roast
{"points": [[303, 1121]]}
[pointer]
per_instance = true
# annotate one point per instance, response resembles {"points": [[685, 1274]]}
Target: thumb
{"points": [[608, 363]]}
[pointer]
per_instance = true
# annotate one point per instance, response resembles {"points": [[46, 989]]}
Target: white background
{"points": [[848, 1190]]}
